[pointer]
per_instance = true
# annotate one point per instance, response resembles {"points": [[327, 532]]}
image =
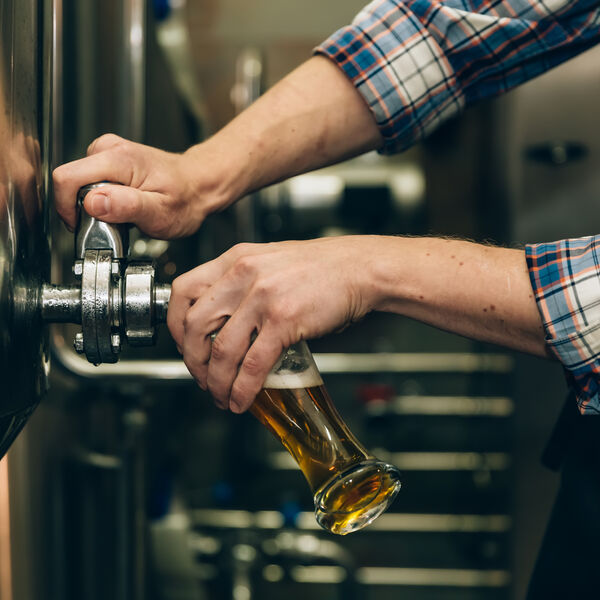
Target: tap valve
{"points": [[116, 300]]}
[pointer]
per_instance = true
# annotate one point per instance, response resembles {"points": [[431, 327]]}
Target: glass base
{"points": [[357, 496]]}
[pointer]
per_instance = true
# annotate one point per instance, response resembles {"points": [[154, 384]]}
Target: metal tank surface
{"points": [[24, 250], [114, 299]]}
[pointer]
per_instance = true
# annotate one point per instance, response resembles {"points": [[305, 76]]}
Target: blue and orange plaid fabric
{"points": [[419, 62], [565, 276]]}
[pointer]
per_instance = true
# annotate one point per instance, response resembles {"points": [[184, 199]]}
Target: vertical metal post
{"points": [[133, 76], [248, 87]]}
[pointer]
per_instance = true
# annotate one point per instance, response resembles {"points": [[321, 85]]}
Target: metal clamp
{"points": [[115, 300]]}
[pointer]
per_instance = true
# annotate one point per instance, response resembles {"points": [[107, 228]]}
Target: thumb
{"points": [[115, 204]]}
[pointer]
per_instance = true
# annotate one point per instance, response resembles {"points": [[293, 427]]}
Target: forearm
{"points": [[312, 118], [474, 290]]}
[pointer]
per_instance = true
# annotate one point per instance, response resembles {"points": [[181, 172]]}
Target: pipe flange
{"points": [[100, 307], [138, 299]]}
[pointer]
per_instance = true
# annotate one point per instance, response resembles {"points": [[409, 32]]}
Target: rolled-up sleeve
{"points": [[419, 62], [565, 277]]}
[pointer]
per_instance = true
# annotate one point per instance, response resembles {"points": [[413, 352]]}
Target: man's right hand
{"points": [[311, 118], [166, 195]]}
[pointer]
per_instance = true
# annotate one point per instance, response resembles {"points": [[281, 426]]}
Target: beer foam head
{"points": [[284, 379]]}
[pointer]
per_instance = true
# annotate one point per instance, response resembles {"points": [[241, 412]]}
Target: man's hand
{"points": [[282, 292], [312, 118], [290, 291], [166, 195]]}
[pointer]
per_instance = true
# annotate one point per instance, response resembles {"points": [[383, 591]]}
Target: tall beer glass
{"points": [[351, 488]]}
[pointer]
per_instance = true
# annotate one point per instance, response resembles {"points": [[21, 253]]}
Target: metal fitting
{"points": [[115, 299]]}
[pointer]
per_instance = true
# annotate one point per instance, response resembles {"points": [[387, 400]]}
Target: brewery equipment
{"points": [[115, 300]]}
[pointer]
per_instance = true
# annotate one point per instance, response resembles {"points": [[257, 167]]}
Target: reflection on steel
{"points": [[249, 73], [6, 591], [241, 519], [451, 461], [420, 461], [387, 362], [24, 255], [443, 523], [463, 406], [432, 577], [318, 574], [161, 370], [56, 59], [175, 370], [97, 460], [133, 71], [173, 35], [403, 576], [61, 304]]}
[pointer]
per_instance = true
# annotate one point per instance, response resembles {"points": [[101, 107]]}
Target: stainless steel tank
{"points": [[24, 251]]}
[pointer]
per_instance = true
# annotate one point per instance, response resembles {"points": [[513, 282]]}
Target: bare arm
{"points": [[289, 291], [313, 117]]}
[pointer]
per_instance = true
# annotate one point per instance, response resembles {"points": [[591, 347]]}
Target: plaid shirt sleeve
{"points": [[565, 276], [419, 62]]}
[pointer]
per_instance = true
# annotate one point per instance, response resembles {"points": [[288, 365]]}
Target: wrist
{"points": [[212, 178], [391, 284], [376, 271]]}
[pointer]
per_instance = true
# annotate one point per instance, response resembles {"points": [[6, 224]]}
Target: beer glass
{"points": [[351, 488]]}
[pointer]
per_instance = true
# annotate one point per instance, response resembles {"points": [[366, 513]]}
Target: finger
{"points": [[227, 288], [69, 177], [227, 352], [255, 367], [116, 203], [104, 142], [185, 290], [197, 348]]}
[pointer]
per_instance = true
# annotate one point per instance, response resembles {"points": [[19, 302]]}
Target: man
{"points": [[396, 73], [400, 70]]}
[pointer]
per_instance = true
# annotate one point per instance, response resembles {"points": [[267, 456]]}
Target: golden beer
{"points": [[351, 488]]}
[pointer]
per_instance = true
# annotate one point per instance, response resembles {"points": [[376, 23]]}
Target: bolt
{"points": [[78, 268], [115, 343], [78, 343]]}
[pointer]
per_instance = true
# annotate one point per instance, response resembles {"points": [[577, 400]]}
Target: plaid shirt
{"points": [[419, 62], [565, 276]]}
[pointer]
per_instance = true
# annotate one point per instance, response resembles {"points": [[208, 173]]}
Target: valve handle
{"points": [[92, 234]]}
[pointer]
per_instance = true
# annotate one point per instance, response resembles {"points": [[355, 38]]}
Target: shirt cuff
{"points": [[565, 277], [399, 69]]}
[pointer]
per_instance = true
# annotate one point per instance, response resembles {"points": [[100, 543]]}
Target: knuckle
{"points": [[241, 249], [265, 289], [104, 141], [244, 265], [252, 365], [177, 287], [279, 312], [219, 348], [242, 394], [59, 176], [188, 322]]}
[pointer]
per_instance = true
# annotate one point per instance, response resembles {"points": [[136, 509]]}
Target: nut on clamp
{"points": [[115, 300]]}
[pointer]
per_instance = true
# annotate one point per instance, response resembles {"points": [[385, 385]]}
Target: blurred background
{"points": [[131, 485]]}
